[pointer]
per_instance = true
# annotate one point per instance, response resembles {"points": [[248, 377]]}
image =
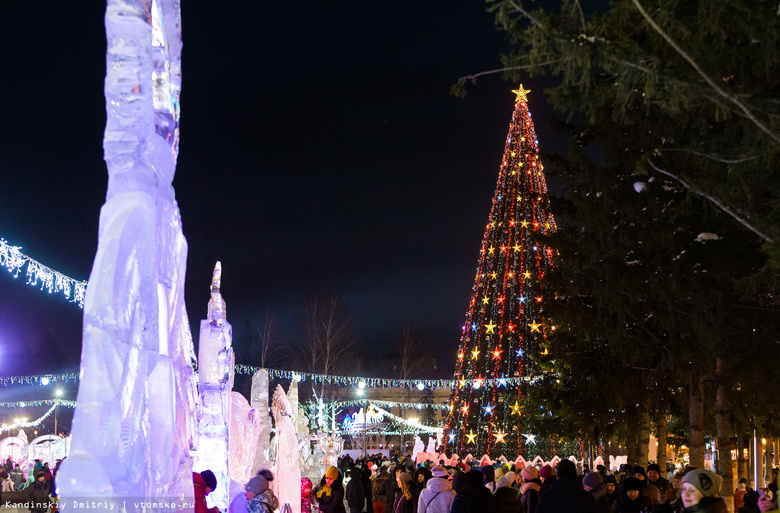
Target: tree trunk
{"points": [[631, 445], [643, 433], [724, 437], [696, 422], [768, 455], [605, 452], [661, 424], [743, 446]]}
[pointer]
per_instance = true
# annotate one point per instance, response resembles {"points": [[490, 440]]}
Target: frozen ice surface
{"points": [[259, 396], [287, 473], [244, 437], [133, 428]]}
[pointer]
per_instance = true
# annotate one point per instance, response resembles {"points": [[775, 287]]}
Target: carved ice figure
{"points": [[133, 428], [287, 482], [418, 446], [216, 369], [331, 446], [431, 449], [259, 396], [244, 435]]}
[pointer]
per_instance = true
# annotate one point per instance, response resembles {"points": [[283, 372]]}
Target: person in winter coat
{"points": [[749, 502], [204, 483], [490, 477], [655, 478], [260, 498], [379, 504], [547, 475], [403, 497], [566, 493], [330, 496], [530, 488], [507, 498], [17, 476], [387, 491], [420, 480], [37, 493], [631, 500], [649, 490], [355, 498], [700, 489], [365, 479], [438, 494], [593, 483], [473, 497], [611, 484]]}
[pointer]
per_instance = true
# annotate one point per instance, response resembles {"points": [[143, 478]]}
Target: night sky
{"points": [[320, 148]]}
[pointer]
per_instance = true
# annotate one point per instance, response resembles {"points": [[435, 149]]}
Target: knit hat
{"points": [[332, 473], [259, 483], [632, 483], [403, 476], [489, 472], [610, 479], [209, 478], [529, 473], [499, 473], [504, 481], [439, 471], [546, 472], [475, 478], [654, 466], [708, 483], [566, 469], [592, 480], [639, 470], [458, 481]]}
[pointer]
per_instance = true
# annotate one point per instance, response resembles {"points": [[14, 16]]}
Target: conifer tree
{"points": [[506, 327]]}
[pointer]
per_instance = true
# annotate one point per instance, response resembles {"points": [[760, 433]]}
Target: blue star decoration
{"points": [[488, 409], [530, 439]]}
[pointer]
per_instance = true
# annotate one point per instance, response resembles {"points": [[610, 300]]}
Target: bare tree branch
{"points": [[501, 70], [715, 201], [702, 74]]}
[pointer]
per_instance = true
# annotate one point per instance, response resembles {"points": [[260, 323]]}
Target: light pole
{"points": [[58, 393]]}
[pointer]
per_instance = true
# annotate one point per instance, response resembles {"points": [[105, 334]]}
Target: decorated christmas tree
{"points": [[505, 327]]}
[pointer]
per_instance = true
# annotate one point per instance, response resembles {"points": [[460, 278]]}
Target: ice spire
{"points": [[133, 428]]}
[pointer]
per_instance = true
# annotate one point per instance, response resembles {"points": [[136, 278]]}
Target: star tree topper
{"points": [[521, 93]]}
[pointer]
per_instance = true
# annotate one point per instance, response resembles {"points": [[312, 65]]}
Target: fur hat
{"points": [[529, 473], [546, 471], [503, 482], [209, 478], [332, 473], [593, 480], [439, 471], [632, 483], [708, 483], [259, 483], [654, 466], [566, 469]]}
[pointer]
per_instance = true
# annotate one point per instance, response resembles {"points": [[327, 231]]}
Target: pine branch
{"points": [[500, 70], [519, 8], [702, 74], [715, 201], [716, 158]]}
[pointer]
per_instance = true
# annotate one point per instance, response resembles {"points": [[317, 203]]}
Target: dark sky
{"points": [[319, 148]]}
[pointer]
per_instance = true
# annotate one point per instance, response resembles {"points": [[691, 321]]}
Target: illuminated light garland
{"points": [[388, 404], [355, 381], [21, 425], [38, 274], [414, 425], [42, 402], [39, 379]]}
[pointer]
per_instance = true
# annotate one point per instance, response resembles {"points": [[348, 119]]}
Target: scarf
{"points": [[325, 490]]}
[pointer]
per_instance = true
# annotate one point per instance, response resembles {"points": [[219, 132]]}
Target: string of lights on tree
{"points": [[42, 402], [390, 404], [22, 425], [414, 426], [505, 326], [39, 275]]}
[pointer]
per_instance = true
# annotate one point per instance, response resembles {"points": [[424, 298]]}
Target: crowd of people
{"points": [[36, 483], [377, 485]]}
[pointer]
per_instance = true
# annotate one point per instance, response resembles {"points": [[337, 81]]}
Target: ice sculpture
{"points": [[259, 403], [287, 485], [216, 369], [244, 435], [133, 427], [292, 396], [431, 449]]}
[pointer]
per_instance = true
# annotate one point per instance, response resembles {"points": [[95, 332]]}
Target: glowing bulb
{"points": [[58, 392], [420, 386], [362, 384], [44, 381], [296, 377]]}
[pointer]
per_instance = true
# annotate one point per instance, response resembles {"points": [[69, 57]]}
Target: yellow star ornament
{"points": [[471, 436], [490, 327], [520, 93], [534, 327]]}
